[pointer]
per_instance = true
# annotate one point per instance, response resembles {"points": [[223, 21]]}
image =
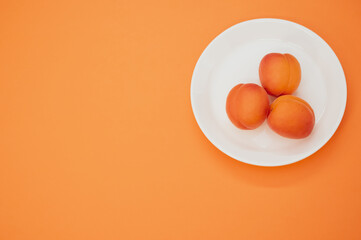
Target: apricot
{"points": [[291, 117], [247, 106], [280, 74]]}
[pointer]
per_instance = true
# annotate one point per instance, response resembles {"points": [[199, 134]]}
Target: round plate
{"points": [[233, 57]]}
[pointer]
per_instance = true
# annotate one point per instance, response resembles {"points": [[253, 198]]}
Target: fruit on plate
{"points": [[247, 106], [291, 117], [280, 74]]}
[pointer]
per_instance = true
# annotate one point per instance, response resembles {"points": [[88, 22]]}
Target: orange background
{"points": [[98, 139]]}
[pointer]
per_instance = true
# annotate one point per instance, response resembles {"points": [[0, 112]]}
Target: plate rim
{"points": [[297, 158]]}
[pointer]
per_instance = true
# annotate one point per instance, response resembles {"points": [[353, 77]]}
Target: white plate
{"points": [[233, 57]]}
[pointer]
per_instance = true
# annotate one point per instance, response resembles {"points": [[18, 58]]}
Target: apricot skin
{"points": [[247, 106], [291, 117], [280, 74]]}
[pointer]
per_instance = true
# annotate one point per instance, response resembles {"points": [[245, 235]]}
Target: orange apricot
{"points": [[291, 117], [247, 106], [280, 74]]}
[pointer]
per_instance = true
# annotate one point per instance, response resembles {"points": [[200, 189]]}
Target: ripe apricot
{"points": [[280, 74], [247, 106], [291, 117]]}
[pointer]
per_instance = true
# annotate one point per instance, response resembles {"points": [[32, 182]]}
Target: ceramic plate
{"points": [[233, 57]]}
